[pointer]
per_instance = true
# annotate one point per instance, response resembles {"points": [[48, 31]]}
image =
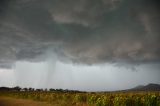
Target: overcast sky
{"points": [[79, 44]]}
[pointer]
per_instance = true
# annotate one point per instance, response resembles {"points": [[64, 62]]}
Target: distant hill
{"points": [[149, 87]]}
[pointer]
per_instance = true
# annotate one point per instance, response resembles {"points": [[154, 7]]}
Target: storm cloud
{"points": [[80, 31]]}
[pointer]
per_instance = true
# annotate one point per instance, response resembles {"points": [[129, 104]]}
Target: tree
{"points": [[17, 88]]}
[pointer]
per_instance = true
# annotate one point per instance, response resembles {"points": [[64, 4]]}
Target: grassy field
{"points": [[36, 98], [9, 101]]}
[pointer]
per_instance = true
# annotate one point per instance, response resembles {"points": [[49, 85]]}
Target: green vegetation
{"points": [[89, 99]]}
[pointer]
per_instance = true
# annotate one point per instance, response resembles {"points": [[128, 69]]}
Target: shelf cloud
{"points": [[80, 31]]}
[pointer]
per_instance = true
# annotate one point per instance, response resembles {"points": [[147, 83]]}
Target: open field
{"points": [[9, 101], [35, 98]]}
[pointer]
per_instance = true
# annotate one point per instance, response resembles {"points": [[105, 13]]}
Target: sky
{"points": [[90, 45]]}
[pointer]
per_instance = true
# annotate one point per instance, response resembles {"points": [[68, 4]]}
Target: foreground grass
{"points": [[8, 101], [88, 99]]}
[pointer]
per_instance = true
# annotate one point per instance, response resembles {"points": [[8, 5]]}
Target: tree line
{"points": [[17, 88]]}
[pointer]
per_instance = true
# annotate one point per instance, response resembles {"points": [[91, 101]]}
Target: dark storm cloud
{"points": [[85, 12], [83, 31]]}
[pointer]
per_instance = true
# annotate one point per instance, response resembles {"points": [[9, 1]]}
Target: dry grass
{"points": [[7, 101]]}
